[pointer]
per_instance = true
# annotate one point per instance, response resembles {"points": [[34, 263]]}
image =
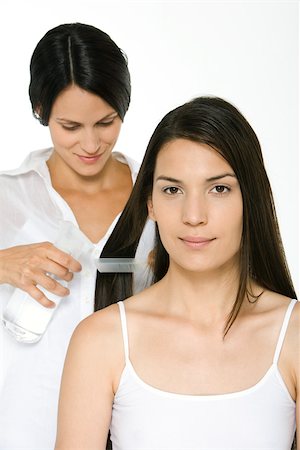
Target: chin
{"points": [[89, 171]]}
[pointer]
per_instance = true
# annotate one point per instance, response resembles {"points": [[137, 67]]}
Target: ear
{"points": [[150, 209], [38, 111]]}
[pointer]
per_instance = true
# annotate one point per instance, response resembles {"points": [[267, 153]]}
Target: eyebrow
{"points": [[223, 175], [214, 178], [108, 116], [165, 178]]}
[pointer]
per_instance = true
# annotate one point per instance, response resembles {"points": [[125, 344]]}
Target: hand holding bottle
{"points": [[26, 266], [24, 317]]}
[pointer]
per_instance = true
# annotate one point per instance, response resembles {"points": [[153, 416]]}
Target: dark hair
{"points": [[78, 54], [217, 123]]}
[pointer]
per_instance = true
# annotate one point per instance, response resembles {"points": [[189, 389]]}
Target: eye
{"points": [[221, 189], [70, 128], [171, 190], [106, 123]]}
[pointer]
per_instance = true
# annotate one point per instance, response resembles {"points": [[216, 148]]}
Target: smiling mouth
{"points": [[196, 242], [89, 159]]}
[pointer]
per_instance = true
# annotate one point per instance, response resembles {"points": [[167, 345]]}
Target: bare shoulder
{"points": [[99, 334], [274, 304], [144, 302], [274, 307], [290, 354], [270, 311], [99, 322], [291, 350], [91, 374], [293, 333], [279, 304]]}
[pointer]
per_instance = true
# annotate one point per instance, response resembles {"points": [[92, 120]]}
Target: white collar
{"points": [[36, 161]]}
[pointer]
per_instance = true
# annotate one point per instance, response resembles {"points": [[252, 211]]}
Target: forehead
{"points": [[183, 155], [78, 103]]}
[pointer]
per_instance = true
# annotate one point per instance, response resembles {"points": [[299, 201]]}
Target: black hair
{"points": [[219, 124], [82, 55]]}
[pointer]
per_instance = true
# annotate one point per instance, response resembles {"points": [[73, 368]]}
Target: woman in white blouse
{"points": [[79, 88]]}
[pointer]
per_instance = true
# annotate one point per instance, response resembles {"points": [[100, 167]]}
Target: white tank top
{"points": [[259, 418]]}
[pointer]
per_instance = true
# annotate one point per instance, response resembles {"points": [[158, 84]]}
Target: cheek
{"points": [[110, 134], [236, 225], [240, 217], [229, 221], [165, 223], [63, 139]]}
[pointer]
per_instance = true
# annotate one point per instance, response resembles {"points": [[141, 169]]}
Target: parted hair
{"points": [[82, 55]]}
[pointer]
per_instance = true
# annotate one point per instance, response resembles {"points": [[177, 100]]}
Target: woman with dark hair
{"points": [[208, 356], [79, 88]]}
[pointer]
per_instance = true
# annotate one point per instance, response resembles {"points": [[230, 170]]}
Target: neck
{"points": [[65, 179], [208, 296]]}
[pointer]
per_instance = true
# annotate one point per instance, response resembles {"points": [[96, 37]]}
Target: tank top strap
{"points": [[124, 329], [283, 330]]}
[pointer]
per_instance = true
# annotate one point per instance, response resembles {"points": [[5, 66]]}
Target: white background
{"points": [[243, 51]]}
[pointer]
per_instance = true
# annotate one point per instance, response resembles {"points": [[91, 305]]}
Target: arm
{"points": [[289, 364], [25, 266], [295, 346], [298, 407], [87, 388]]}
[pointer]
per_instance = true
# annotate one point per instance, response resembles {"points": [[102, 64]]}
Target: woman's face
{"points": [[84, 129], [197, 204]]}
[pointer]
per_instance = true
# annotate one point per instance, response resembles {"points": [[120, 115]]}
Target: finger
{"points": [[52, 285], [63, 259], [50, 266], [40, 297]]}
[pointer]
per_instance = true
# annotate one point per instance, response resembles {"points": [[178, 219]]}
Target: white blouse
{"points": [[30, 211]]}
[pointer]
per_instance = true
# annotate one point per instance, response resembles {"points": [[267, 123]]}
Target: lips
{"points": [[89, 159], [196, 241]]}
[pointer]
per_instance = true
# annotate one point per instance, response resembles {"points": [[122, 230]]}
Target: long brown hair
{"points": [[217, 123]]}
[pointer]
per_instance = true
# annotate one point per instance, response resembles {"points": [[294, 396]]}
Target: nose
{"points": [[90, 141], [195, 210]]}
